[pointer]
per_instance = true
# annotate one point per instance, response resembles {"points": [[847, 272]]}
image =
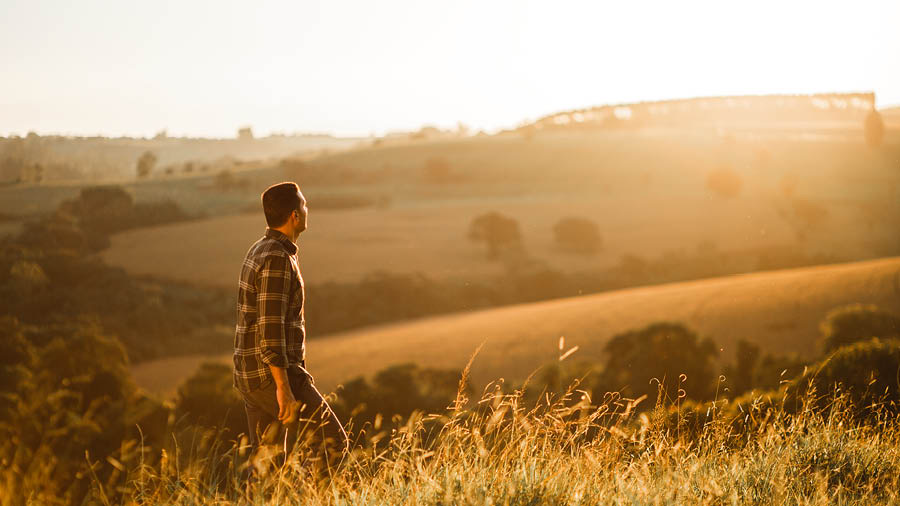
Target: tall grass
{"points": [[565, 450]]}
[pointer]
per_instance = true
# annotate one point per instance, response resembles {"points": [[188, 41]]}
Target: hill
{"points": [[650, 193], [779, 310]]}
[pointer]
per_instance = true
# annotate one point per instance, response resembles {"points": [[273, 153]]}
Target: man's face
{"points": [[298, 217]]}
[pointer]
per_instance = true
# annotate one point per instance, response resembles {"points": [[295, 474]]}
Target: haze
{"points": [[356, 68]]}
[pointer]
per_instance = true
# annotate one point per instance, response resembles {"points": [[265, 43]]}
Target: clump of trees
{"points": [[578, 235], [69, 413], [48, 274], [103, 210], [679, 359], [398, 390], [853, 323], [498, 232]]}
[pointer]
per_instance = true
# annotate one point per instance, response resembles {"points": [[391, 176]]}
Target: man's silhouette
{"points": [[269, 343]]}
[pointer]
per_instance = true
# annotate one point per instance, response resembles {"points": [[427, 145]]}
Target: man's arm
{"points": [[272, 302], [283, 392]]}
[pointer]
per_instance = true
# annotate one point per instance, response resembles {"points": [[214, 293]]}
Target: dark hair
{"points": [[279, 201]]}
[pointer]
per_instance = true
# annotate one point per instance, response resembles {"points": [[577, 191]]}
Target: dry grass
{"points": [[779, 310], [565, 451]]}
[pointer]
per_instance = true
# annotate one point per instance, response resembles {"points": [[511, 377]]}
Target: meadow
{"points": [[569, 449], [780, 311], [650, 194]]}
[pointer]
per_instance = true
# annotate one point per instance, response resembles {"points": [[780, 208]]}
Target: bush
{"points": [[398, 390], [208, 399], [577, 235], [752, 370], [668, 352], [497, 231], [857, 322], [867, 371]]}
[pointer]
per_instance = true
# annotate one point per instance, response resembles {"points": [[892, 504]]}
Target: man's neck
{"points": [[288, 232]]}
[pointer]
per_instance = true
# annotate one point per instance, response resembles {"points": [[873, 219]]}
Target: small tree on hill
{"points": [[145, 164], [578, 235], [497, 231], [857, 322], [245, 133]]}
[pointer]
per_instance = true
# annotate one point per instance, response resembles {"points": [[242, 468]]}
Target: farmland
{"points": [[779, 310], [649, 193]]}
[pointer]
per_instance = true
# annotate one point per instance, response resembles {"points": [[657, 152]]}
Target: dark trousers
{"points": [[317, 424]]}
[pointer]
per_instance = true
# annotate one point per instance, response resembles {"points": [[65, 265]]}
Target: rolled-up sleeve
{"points": [[272, 304]]}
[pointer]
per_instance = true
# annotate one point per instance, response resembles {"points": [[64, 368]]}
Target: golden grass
{"points": [[568, 450], [779, 310]]}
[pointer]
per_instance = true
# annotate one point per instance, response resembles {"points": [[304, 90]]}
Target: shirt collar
{"points": [[283, 239]]}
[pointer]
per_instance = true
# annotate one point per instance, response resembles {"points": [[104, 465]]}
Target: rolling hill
{"points": [[779, 310]]}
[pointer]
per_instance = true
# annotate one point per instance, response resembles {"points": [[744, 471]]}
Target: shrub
{"points": [[867, 371], [208, 398], [753, 370], [669, 352], [497, 231], [398, 390], [857, 322], [577, 235]]}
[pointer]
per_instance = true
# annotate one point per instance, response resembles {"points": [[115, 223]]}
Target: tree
{"points": [[665, 351], [145, 164], [245, 134], [497, 231], [577, 235], [874, 129], [857, 322]]}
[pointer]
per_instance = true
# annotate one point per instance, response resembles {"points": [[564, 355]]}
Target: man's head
{"points": [[285, 209]]}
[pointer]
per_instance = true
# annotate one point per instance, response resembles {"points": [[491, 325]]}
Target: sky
{"points": [[355, 68]]}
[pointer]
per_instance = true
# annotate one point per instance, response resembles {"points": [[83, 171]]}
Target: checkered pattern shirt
{"points": [[270, 325]]}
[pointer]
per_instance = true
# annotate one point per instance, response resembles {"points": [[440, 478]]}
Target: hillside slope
{"points": [[780, 310]]}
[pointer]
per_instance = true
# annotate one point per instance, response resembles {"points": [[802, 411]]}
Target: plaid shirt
{"points": [[270, 325]]}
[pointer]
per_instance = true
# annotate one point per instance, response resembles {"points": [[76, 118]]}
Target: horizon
{"points": [[133, 71]]}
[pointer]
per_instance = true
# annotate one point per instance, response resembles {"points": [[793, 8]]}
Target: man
{"points": [[269, 343]]}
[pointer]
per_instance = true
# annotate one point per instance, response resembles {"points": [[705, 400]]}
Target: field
{"points": [[779, 310], [649, 193]]}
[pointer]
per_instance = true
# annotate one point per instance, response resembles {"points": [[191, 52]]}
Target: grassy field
{"points": [[779, 310], [562, 452], [649, 193]]}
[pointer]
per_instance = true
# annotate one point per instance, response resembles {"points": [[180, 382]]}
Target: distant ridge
{"points": [[737, 110]]}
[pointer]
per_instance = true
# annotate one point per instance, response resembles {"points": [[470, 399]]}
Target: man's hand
{"points": [[286, 402]]}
